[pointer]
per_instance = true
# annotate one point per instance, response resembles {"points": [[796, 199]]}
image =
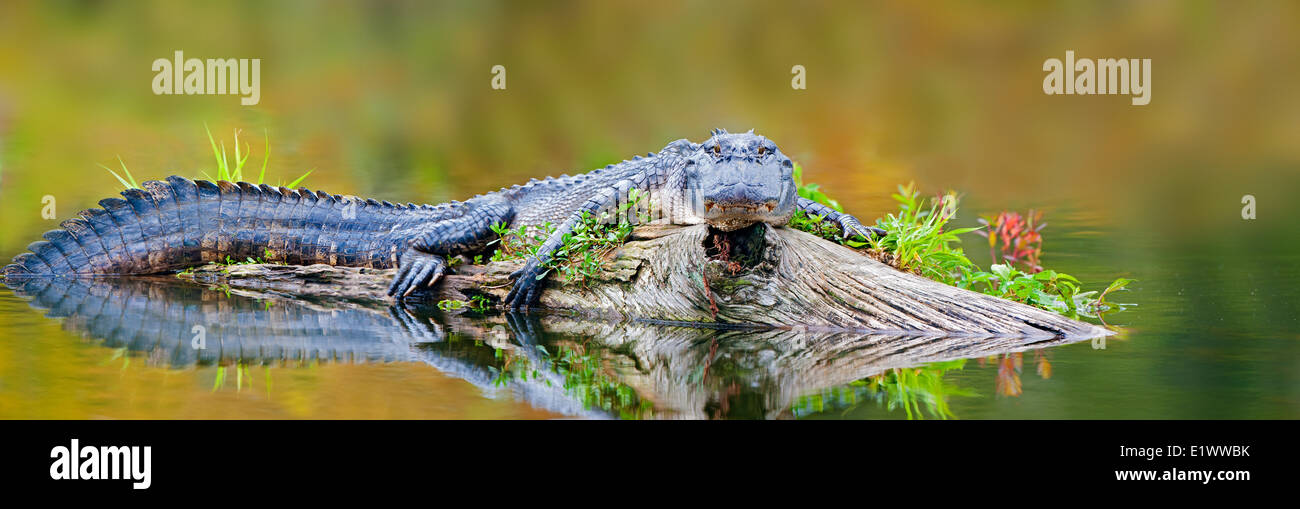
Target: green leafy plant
{"points": [[583, 251], [230, 261], [918, 391], [476, 303], [586, 377], [919, 240], [450, 304], [812, 223], [519, 243]]}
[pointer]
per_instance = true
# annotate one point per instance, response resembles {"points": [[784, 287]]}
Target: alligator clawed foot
{"points": [[850, 227], [527, 287], [415, 269], [525, 328], [422, 330]]}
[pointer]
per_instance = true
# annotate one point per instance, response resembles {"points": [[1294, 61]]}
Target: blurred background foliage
{"points": [[392, 100]]}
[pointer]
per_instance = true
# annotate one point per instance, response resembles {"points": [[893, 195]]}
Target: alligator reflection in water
{"points": [[575, 367]]}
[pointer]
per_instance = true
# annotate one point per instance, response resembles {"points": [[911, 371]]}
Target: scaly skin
{"points": [[729, 181]]}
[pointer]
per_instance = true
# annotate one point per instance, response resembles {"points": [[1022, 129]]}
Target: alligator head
{"points": [[735, 180]]}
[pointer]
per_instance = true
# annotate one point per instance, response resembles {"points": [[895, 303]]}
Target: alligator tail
{"points": [[179, 223]]}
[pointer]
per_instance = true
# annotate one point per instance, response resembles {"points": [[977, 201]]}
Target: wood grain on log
{"points": [[792, 280]]}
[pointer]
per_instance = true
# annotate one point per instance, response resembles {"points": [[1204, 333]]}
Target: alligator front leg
{"points": [[849, 225], [528, 285], [461, 228]]}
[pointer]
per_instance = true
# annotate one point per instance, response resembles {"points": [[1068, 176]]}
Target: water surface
{"points": [[126, 348]]}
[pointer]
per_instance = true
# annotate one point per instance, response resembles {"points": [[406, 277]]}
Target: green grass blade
{"points": [[215, 154], [295, 183], [119, 178], [262, 176], [238, 163], [240, 160], [130, 178], [128, 182], [225, 165]]}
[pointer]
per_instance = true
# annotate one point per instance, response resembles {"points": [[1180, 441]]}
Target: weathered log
{"points": [[760, 276], [682, 372]]}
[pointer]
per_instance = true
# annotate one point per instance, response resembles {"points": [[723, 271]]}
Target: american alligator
{"points": [[729, 181], [687, 372]]}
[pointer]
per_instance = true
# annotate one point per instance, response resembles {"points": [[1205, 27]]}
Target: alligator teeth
{"points": [[711, 206]]}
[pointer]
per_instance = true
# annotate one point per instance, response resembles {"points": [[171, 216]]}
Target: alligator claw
{"points": [[527, 287], [525, 332], [416, 269], [850, 226], [422, 330], [869, 232]]}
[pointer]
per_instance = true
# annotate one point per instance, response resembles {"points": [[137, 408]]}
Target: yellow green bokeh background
{"points": [[392, 100]]}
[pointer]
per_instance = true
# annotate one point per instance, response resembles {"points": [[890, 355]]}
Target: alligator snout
{"points": [[711, 205], [744, 190]]}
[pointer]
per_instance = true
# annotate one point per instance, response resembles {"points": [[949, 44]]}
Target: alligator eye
{"points": [[761, 150]]}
